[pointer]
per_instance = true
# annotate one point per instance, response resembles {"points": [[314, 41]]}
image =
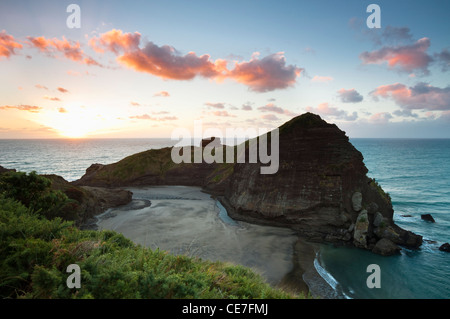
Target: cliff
{"points": [[320, 189]]}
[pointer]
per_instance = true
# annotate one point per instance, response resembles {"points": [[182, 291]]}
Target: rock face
{"points": [[321, 189], [386, 247], [89, 201]]}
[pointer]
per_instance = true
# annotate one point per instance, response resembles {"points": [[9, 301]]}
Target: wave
{"points": [[329, 279]]}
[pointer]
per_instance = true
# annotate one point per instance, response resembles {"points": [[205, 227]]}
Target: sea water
{"points": [[415, 172]]}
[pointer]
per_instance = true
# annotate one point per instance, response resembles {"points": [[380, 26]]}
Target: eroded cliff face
{"points": [[321, 190]]}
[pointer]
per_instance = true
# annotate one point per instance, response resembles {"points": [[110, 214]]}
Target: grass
{"points": [[35, 253]]}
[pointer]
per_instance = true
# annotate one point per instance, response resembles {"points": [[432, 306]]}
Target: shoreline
{"points": [[147, 221]]}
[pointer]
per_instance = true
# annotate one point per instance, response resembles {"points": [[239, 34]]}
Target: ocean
{"points": [[415, 172]]}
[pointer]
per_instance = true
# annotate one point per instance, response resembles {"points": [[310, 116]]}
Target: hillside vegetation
{"points": [[36, 247]]}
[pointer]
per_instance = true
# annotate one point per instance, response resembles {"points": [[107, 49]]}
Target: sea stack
{"points": [[321, 190]]}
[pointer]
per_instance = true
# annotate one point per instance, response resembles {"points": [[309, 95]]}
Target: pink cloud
{"points": [[8, 45], [270, 117], [158, 119], [222, 114], [420, 96], [51, 98], [260, 75], [162, 94], [28, 108], [266, 74], [270, 107], [407, 58], [62, 90], [382, 117], [69, 49]]}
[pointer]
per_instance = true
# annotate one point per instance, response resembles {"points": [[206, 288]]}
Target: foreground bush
{"points": [[35, 253]]}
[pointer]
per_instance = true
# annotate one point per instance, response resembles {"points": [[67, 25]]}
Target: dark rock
{"points": [[427, 217], [445, 247], [4, 170], [361, 230], [357, 201], [406, 215], [385, 247], [90, 201]]}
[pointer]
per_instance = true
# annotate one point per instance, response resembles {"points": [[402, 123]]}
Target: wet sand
{"points": [[184, 220]]}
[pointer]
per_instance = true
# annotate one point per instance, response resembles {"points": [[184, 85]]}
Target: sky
{"points": [[142, 69]]}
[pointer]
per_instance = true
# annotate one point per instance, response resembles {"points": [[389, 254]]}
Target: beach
{"points": [[185, 220]]}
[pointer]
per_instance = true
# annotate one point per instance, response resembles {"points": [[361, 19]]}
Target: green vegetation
{"points": [[34, 191], [36, 248], [306, 120], [380, 190]]}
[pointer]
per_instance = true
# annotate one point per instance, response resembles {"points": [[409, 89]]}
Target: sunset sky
{"points": [[144, 68]]}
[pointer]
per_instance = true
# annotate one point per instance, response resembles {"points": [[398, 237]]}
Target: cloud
{"points": [[405, 113], [164, 61], [8, 45], [247, 106], [396, 34], [260, 75], [62, 110], [222, 114], [62, 90], [443, 58], [421, 96], [270, 117], [382, 117], [326, 110], [116, 41], [407, 58], [52, 98], [69, 49], [270, 107], [215, 105], [266, 74], [158, 119], [321, 79], [28, 108], [135, 103], [41, 87], [349, 96], [162, 93]]}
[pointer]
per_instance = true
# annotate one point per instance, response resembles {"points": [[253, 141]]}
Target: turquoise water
{"points": [[416, 173]]}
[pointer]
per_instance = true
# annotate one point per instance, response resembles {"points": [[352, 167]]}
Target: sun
{"points": [[75, 122]]}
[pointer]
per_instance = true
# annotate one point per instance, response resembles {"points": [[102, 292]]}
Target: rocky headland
{"points": [[321, 189]]}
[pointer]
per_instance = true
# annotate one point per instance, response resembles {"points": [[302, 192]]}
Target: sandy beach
{"points": [[185, 220]]}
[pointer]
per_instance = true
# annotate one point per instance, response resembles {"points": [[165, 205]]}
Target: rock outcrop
{"points": [[320, 189], [89, 201], [428, 218]]}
